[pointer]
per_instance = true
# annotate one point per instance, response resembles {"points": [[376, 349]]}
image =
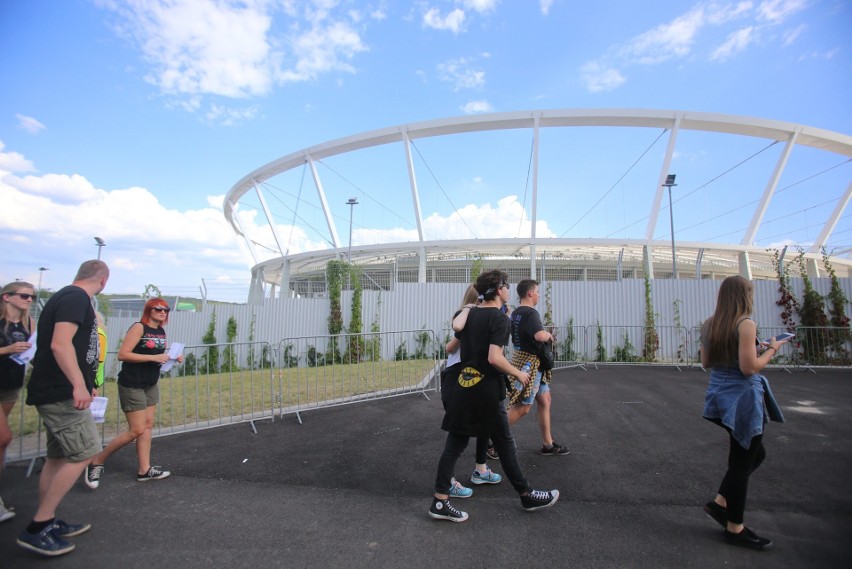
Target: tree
{"points": [[652, 341], [210, 359], [229, 354]]}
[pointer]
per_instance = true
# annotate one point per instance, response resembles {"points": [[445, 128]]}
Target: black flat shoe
{"points": [[717, 513], [748, 538]]}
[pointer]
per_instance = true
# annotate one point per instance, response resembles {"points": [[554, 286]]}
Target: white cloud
{"points": [[29, 124], [776, 11], [819, 54], [545, 6], [460, 74], [735, 43], [481, 6], [666, 41], [790, 36], [475, 107], [225, 116], [599, 78], [232, 48], [12, 162], [454, 21], [322, 49], [146, 240]]}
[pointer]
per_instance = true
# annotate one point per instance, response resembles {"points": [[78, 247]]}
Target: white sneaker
{"points": [[5, 513]]}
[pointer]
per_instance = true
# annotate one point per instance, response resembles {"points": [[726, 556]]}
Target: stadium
{"points": [[771, 185]]}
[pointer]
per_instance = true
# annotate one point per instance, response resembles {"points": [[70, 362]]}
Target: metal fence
{"points": [[223, 384]]}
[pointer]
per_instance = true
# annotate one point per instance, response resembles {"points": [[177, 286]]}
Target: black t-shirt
{"points": [[48, 384], [526, 322], [11, 372], [144, 374], [473, 407]]}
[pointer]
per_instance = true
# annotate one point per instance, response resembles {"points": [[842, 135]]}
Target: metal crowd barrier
{"points": [[324, 371], [224, 384]]}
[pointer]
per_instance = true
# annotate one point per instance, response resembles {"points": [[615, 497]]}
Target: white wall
{"points": [[412, 306]]}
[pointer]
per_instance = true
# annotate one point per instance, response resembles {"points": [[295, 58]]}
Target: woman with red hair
{"points": [[142, 353]]}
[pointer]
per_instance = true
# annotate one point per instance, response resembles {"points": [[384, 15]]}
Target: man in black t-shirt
{"points": [[528, 336], [61, 387]]}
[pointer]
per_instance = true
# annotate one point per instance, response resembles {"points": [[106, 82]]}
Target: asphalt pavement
{"points": [[351, 487]]}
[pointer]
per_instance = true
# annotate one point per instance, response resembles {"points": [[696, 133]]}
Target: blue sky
{"points": [[131, 120]]}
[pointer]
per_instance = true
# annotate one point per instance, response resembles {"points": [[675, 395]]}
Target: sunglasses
{"points": [[24, 295], [162, 309]]}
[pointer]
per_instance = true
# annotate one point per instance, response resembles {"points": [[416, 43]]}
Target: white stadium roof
{"points": [[274, 264]]}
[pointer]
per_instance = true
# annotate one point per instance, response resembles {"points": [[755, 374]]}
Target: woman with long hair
{"points": [[142, 353], [482, 474], [737, 400], [16, 327]]}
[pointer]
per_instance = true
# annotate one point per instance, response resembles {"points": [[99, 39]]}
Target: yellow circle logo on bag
{"points": [[469, 377]]}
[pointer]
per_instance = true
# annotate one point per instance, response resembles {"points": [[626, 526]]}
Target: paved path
{"points": [[351, 487]]}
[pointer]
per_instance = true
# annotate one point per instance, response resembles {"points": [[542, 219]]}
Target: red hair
{"points": [[149, 306]]}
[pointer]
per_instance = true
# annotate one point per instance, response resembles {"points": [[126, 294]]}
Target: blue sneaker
{"points": [[45, 542], [459, 491], [487, 478], [62, 529]]}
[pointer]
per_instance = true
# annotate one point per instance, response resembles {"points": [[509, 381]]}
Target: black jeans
{"points": [[503, 442], [741, 463]]}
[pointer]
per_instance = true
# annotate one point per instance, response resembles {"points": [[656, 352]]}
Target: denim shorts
{"points": [[538, 388], [71, 432], [138, 398]]}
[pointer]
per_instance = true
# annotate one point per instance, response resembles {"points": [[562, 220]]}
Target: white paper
{"points": [[98, 408], [175, 350], [24, 357]]}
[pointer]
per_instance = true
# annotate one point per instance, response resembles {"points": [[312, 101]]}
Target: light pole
{"points": [[100, 243], [41, 271], [670, 182], [351, 203]]}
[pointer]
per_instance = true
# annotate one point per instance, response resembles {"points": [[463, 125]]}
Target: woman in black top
{"points": [[16, 327], [142, 353], [475, 407]]}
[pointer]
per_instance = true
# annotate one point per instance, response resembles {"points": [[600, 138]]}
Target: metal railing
{"points": [[323, 371], [223, 384]]}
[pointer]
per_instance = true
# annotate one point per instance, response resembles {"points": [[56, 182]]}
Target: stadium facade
{"points": [[276, 273]]}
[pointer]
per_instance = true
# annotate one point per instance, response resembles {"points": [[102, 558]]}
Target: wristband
{"points": [[772, 348]]}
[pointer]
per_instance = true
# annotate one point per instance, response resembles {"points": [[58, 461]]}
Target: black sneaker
{"points": [[154, 473], [748, 538], [717, 513], [62, 529], [538, 499], [492, 453], [46, 542], [555, 449], [93, 475], [443, 510]]}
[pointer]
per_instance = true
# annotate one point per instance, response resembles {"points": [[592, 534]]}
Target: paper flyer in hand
{"points": [[98, 408], [175, 350], [24, 357]]}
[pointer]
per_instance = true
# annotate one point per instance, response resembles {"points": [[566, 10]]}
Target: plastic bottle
{"points": [[526, 369]]}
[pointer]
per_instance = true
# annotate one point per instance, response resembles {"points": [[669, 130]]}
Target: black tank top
{"points": [[144, 374]]}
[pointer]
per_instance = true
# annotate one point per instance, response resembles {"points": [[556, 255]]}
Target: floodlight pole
{"points": [[100, 243], [41, 271], [351, 203], [669, 183]]}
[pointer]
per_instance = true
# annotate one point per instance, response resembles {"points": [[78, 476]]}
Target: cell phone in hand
{"points": [[781, 337]]}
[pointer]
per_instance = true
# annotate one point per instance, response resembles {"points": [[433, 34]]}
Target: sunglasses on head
{"points": [[165, 309], [24, 295]]}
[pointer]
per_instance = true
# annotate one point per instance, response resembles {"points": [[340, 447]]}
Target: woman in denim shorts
{"points": [[16, 327], [142, 353]]}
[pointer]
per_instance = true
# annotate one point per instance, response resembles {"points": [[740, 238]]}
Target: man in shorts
{"points": [[527, 337], [61, 387]]}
